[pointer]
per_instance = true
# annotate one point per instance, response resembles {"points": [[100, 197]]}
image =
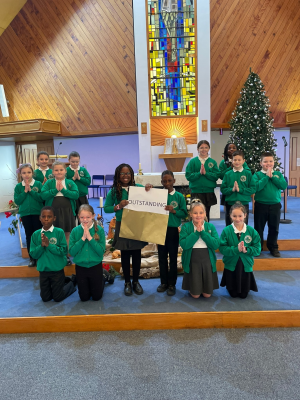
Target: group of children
{"points": [[49, 200]]}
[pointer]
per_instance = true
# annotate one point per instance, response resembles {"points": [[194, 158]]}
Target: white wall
{"points": [[8, 179], [218, 143]]}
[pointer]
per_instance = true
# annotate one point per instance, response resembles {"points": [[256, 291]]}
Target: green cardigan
{"points": [[188, 237], [225, 168], [202, 183], [83, 182], [29, 203], [87, 253], [111, 201], [229, 248], [49, 191], [268, 190], [176, 200], [246, 185], [39, 176]]}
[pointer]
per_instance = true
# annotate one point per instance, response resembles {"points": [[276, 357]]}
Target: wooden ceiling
{"points": [[263, 35], [71, 61]]}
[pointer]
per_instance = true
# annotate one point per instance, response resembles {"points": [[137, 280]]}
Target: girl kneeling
{"points": [[199, 241]]}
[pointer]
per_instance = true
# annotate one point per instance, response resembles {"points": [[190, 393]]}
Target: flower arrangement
{"points": [[188, 206], [13, 213]]}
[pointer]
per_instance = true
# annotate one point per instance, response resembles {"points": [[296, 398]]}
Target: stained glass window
{"points": [[172, 57]]}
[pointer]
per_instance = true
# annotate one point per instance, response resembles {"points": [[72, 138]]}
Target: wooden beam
{"points": [[151, 321], [102, 132], [29, 127]]}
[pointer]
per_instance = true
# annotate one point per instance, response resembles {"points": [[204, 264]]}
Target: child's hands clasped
{"points": [[242, 248], [86, 234], [235, 187], [76, 176], [45, 240], [202, 170], [44, 181], [59, 185], [269, 173]]}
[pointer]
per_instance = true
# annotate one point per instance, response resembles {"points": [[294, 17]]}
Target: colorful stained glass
{"points": [[172, 57]]}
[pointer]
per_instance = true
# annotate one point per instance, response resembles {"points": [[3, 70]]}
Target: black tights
{"points": [[234, 293], [136, 264]]}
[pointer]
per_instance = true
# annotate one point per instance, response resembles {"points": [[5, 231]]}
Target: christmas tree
{"points": [[251, 123]]}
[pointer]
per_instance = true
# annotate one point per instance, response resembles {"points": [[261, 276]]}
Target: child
{"points": [[49, 247], [202, 173], [239, 245], [43, 173], [80, 176], [237, 185], [87, 246], [269, 184], [226, 163], [199, 241], [27, 196], [61, 194], [177, 210], [116, 200]]}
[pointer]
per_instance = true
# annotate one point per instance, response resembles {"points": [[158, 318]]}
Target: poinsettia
{"points": [[14, 213]]}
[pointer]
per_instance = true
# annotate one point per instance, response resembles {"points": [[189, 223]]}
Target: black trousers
{"points": [[169, 277], [31, 224], [227, 214], [267, 213], [136, 264], [53, 286], [90, 282]]}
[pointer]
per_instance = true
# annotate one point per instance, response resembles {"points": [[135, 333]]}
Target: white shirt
{"points": [[265, 172], [202, 160], [49, 230], [75, 169], [30, 184], [173, 192], [44, 170], [238, 170], [126, 188], [64, 186], [237, 231], [200, 244]]}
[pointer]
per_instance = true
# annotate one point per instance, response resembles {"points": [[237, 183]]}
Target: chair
{"points": [[106, 187], [290, 187], [96, 186]]}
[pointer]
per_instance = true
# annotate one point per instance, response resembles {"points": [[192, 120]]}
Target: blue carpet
{"points": [[278, 290]]}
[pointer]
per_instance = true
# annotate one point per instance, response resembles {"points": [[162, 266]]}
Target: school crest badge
{"points": [[70, 185], [53, 240], [50, 176], [275, 176], [81, 173], [174, 204], [210, 165], [248, 239], [243, 178], [35, 189]]}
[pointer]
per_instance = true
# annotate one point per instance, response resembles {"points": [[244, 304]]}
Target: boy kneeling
{"points": [[49, 247], [269, 184]]}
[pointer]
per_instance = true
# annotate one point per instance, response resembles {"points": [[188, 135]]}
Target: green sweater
{"points": [[111, 201], [246, 186], [229, 248], [87, 253], [188, 237], [29, 203], [225, 168], [176, 200], [83, 183], [53, 257], [202, 183], [268, 190], [39, 176], [49, 191]]}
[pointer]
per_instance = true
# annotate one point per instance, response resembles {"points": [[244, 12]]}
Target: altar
{"points": [[180, 182]]}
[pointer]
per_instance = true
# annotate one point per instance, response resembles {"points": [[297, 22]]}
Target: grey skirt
{"points": [[120, 243], [200, 279]]}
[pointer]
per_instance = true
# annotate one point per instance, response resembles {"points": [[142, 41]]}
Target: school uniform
{"points": [[203, 186], [238, 266], [128, 247], [223, 168], [40, 174], [268, 205], [30, 205], [199, 258], [82, 184], [169, 277], [64, 202], [88, 256], [246, 188], [51, 261]]}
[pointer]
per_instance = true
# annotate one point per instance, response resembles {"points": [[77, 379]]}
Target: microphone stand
{"points": [[284, 220]]}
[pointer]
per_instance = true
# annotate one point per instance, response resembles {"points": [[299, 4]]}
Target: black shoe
{"points": [[69, 262], [162, 288], [275, 253], [128, 289], [67, 279], [107, 277], [137, 288], [32, 263], [171, 290], [74, 280]]}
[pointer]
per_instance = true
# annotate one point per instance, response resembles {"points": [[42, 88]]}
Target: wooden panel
{"points": [[71, 61], [162, 128], [151, 321], [9, 9], [263, 35]]}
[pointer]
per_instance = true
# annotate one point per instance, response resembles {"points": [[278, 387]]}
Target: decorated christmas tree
{"points": [[251, 124]]}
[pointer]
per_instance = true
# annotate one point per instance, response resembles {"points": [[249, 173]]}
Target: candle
{"points": [[140, 166], [101, 202]]}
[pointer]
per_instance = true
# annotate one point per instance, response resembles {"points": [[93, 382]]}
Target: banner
{"points": [[145, 217]]}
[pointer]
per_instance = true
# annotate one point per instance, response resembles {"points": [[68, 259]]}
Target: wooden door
{"points": [[45, 145], [294, 178]]}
